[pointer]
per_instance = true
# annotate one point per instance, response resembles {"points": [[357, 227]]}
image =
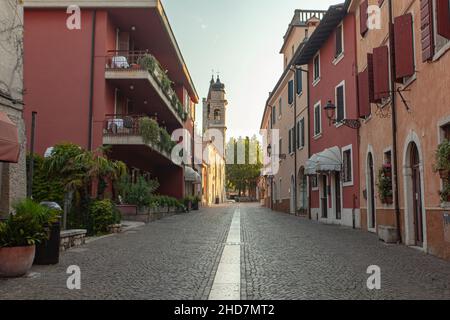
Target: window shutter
{"points": [[443, 18], [299, 81], [302, 124], [340, 103], [370, 81], [291, 92], [381, 72], [338, 41], [298, 135], [363, 94], [426, 12], [363, 17], [404, 46]]}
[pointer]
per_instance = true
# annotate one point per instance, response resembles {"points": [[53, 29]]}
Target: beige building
{"points": [[213, 176], [286, 121], [214, 133], [12, 172]]}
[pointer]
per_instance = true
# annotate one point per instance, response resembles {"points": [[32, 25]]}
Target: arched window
{"points": [[217, 115]]}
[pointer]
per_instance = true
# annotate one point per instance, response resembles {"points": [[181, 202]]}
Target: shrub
{"points": [[149, 130], [139, 193], [26, 226], [147, 62], [443, 156], [44, 187], [166, 143], [385, 184], [102, 214]]}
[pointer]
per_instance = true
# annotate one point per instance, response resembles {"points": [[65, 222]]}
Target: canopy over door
{"points": [[9, 140]]}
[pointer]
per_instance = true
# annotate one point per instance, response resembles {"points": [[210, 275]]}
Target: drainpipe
{"points": [[91, 85], [31, 168], [394, 121], [294, 141]]}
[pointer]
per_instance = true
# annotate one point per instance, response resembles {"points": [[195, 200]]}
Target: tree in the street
{"points": [[243, 164]]}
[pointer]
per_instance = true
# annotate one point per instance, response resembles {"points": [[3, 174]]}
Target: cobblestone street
{"points": [[282, 257]]}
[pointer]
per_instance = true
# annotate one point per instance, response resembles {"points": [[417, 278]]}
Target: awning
{"points": [[311, 165], [190, 175], [329, 160], [9, 140]]}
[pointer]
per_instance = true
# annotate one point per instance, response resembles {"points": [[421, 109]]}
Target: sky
{"points": [[240, 39]]}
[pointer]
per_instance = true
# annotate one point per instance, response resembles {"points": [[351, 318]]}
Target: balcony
{"points": [[138, 136], [139, 74]]}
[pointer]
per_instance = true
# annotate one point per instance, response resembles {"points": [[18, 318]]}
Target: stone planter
{"points": [[16, 261], [115, 228], [72, 238]]}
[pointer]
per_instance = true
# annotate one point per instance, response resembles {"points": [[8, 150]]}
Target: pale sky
{"points": [[241, 39]]}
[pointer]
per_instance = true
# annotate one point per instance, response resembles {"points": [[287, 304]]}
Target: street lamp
{"points": [[330, 110]]}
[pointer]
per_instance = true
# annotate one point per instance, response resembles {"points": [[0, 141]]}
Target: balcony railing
{"points": [[116, 125], [144, 61]]}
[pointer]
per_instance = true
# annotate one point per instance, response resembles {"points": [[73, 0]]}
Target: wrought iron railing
{"points": [[142, 60], [122, 125]]}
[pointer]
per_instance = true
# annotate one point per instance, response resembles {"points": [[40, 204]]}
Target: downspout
{"points": [[394, 121], [295, 142], [91, 85], [308, 103]]}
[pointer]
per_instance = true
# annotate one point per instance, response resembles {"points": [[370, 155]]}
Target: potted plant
{"points": [[445, 193], [195, 203], [148, 62], [188, 203], [385, 184], [442, 164], [18, 238]]}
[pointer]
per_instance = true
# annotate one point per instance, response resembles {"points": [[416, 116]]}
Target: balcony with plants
{"points": [[140, 70], [138, 130]]}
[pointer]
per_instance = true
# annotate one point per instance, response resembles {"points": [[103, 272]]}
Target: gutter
{"points": [[394, 121], [91, 84]]}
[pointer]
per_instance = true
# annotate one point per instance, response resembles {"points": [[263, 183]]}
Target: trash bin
{"points": [[47, 252]]}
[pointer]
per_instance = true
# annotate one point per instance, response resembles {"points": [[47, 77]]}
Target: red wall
{"points": [[57, 77], [331, 76]]}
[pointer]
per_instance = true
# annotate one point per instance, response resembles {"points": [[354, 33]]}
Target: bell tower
{"points": [[214, 109]]}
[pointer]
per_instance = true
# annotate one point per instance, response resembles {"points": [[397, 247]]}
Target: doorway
{"points": [[371, 224], [292, 196], [337, 195], [324, 198], [416, 195]]}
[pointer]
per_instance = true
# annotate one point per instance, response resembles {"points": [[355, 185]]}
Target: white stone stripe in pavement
{"points": [[227, 283]]}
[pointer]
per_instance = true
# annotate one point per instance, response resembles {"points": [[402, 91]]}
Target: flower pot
{"points": [[388, 200], [47, 252], [444, 174], [16, 261]]}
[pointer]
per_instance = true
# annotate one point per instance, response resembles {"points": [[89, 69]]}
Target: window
{"points": [[280, 151], [314, 182], [347, 169], [300, 134], [317, 120], [446, 131], [279, 192], [291, 92], [316, 70], [299, 78], [339, 41], [441, 18], [274, 115], [290, 141], [280, 104], [340, 102], [293, 50], [216, 115]]}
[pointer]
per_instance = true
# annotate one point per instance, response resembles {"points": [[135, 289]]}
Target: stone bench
{"points": [[388, 234], [72, 238]]}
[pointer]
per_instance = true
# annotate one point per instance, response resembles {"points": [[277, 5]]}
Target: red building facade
{"points": [[92, 86], [333, 166]]}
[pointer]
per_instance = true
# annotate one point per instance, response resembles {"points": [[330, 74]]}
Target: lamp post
{"points": [[330, 110]]}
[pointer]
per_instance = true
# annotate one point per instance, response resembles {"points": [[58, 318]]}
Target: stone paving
{"points": [[282, 257], [287, 257], [173, 258]]}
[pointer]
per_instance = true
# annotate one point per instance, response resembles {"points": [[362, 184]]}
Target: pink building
{"points": [[92, 86], [333, 166]]}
